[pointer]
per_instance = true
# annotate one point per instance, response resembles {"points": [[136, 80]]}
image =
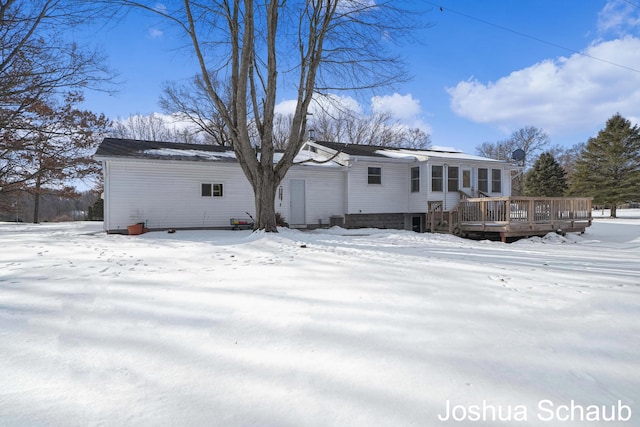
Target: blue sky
{"points": [[482, 69]]}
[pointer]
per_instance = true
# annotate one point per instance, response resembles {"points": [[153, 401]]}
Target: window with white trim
{"points": [[496, 180], [415, 179], [374, 175], [483, 180], [211, 190], [437, 177], [452, 178]]}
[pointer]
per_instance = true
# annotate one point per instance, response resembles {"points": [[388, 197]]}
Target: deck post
{"points": [[573, 209], [433, 220]]}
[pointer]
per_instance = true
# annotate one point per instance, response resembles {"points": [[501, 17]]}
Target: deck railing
{"points": [[435, 214], [523, 210]]}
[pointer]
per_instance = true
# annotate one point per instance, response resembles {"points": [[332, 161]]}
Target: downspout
{"points": [[445, 185], [105, 200]]}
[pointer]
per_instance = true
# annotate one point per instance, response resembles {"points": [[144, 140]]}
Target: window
{"points": [[496, 180], [483, 180], [415, 179], [436, 178], [466, 178], [374, 175], [211, 190], [452, 178]]}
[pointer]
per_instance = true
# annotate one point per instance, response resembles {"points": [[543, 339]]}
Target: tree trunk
{"points": [[36, 200], [265, 195], [614, 212]]}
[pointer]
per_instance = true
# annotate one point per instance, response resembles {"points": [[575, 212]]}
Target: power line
{"points": [[443, 9]]}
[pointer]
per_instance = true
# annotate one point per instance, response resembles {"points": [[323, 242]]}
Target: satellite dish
{"points": [[518, 155]]}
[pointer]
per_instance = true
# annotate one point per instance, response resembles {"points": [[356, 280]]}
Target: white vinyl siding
{"points": [[389, 197], [324, 189], [166, 194], [169, 194]]}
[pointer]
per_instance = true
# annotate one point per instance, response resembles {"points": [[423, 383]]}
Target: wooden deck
{"points": [[516, 216]]}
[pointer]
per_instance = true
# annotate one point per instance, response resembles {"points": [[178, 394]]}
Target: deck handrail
{"points": [[463, 195], [530, 210]]}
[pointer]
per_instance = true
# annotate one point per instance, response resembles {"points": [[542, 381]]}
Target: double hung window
{"points": [[452, 178], [437, 176], [415, 179], [211, 190], [374, 175]]}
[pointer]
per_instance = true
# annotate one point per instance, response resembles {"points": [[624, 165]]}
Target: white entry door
{"points": [[297, 202]]}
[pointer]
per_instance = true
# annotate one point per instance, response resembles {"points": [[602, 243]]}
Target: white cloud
{"points": [[160, 7], [155, 33], [560, 96], [401, 106], [404, 108], [328, 103], [618, 17], [286, 107]]}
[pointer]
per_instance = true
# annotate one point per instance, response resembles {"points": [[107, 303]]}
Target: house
{"points": [[389, 187], [174, 185]]}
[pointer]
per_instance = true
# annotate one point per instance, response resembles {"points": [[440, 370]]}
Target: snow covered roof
{"points": [[400, 153], [117, 147], [131, 148], [422, 155]]}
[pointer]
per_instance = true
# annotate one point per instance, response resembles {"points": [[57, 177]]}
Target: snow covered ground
{"points": [[325, 328]]}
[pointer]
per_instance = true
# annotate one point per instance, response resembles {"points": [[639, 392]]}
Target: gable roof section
{"points": [[131, 148]]}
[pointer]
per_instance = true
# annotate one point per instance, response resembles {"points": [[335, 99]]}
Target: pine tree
{"points": [[609, 166], [547, 178]]}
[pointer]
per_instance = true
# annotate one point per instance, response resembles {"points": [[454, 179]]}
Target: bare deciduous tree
{"points": [[36, 64], [379, 129], [530, 139], [499, 150], [193, 101], [337, 121], [138, 126], [153, 127], [312, 45]]}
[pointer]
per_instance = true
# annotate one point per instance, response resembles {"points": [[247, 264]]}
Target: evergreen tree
{"points": [[547, 178], [609, 166]]}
